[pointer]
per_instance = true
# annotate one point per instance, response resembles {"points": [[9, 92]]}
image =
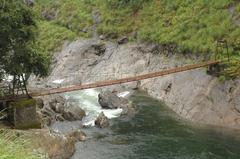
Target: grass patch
{"points": [[14, 147], [52, 36], [74, 15], [194, 26]]}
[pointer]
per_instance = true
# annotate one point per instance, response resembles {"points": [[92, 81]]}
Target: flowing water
{"points": [[154, 133]]}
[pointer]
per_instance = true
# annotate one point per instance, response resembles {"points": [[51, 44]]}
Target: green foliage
{"points": [[18, 52], [194, 26], [222, 78], [117, 23], [238, 8], [52, 36], [13, 147], [133, 4], [233, 69], [75, 15]]}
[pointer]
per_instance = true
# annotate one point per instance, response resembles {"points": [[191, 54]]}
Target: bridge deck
{"points": [[123, 80]]}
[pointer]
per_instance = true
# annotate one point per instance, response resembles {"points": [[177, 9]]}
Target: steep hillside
{"points": [[187, 26]]}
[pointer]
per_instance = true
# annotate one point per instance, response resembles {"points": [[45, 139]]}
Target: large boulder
{"points": [[73, 112], [102, 121], [109, 100]]}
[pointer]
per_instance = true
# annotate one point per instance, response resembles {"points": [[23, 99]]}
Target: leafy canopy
{"points": [[18, 51]]}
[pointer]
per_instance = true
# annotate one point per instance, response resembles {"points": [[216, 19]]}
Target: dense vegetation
{"points": [[19, 53], [194, 26]]}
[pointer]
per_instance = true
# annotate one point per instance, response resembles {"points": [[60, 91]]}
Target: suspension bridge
{"points": [[124, 80], [111, 82]]}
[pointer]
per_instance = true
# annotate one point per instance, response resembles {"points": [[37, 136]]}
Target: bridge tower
{"points": [[222, 50]]}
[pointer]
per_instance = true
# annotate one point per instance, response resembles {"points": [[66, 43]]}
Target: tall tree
{"points": [[19, 55]]}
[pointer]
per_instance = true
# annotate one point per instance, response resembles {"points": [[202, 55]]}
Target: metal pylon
{"points": [[221, 46], [19, 85]]}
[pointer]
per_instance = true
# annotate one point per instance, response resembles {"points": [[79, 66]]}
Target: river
{"points": [[154, 133]]}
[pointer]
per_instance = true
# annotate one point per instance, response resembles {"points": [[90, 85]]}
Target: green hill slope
{"points": [[192, 26]]}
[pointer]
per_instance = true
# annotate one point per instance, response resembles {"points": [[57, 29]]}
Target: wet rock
{"points": [[73, 112], [109, 100], [123, 40], [129, 109], [102, 121], [78, 135]]}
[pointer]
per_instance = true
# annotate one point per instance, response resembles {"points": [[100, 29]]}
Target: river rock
{"points": [[128, 108], [57, 108], [78, 135], [73, 112], [57, 104], [102, 121], [109, 100]]}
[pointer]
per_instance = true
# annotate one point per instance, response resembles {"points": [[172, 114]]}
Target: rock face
{"points": [[102, 121], [194, 95]]}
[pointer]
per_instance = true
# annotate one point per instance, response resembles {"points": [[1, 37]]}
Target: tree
{"points": [[19, 55]]}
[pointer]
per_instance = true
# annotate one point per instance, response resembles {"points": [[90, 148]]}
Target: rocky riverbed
{"points": [[194, 95]]}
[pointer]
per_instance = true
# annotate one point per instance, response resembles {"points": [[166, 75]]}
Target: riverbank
{"points": [[193, 95], [155, 132]]}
